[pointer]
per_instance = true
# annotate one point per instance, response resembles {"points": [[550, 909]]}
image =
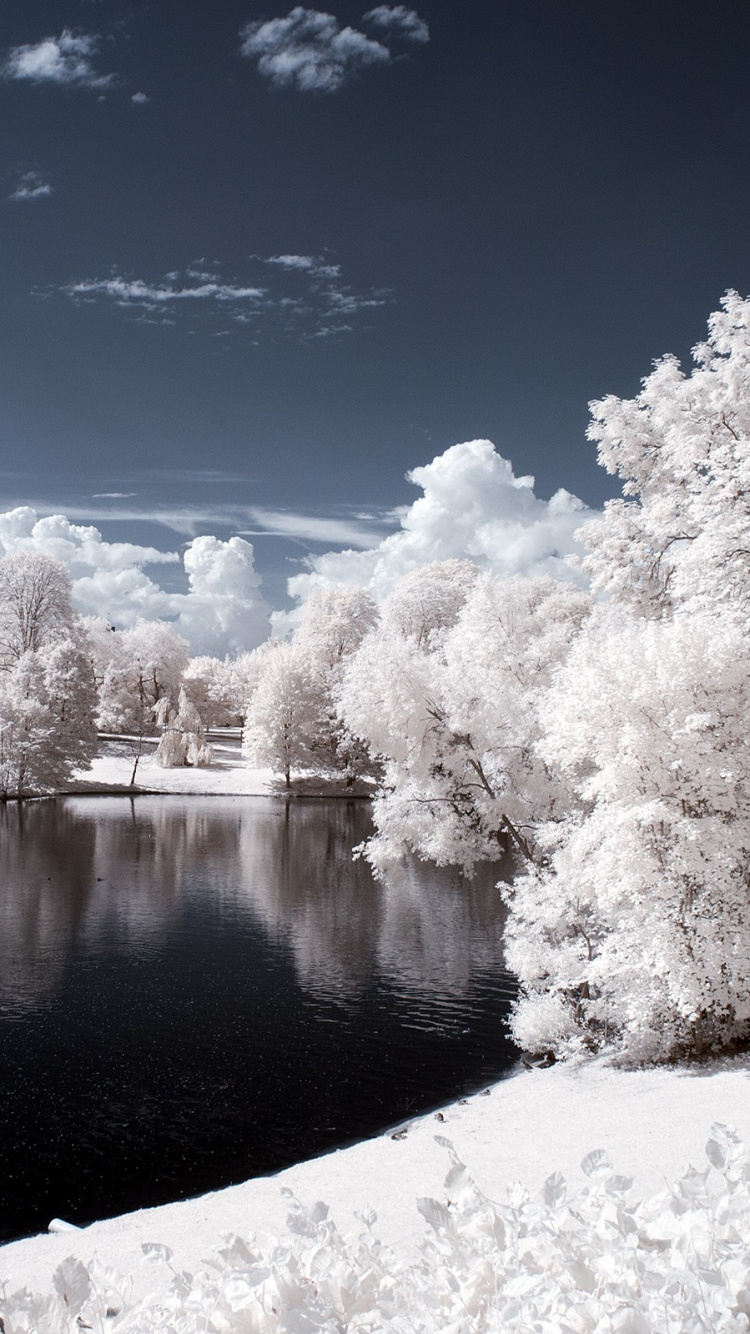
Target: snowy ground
{"points": [[652, 1123], [228, 774]]}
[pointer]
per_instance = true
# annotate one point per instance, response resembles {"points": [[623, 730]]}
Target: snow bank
{"points": [[651, 1124]]}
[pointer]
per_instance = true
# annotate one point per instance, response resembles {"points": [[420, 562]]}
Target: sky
{"points": [[259, 262]]}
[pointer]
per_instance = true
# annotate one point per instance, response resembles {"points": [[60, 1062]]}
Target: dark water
{"points": [[198, 990]]}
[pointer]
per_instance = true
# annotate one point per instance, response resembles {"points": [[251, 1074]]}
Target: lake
{"points": [[194, 991]]}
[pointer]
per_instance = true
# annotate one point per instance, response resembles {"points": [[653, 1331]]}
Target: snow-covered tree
{"points": [[47, 691], [137, 668], [282, 718], [453, 714], [335, 622], [634, 931], [682, 449], [209, 683], [183, 739], [35, 604]]}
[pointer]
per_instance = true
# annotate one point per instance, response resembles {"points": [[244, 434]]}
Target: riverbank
{"points": [[651, 1123]]}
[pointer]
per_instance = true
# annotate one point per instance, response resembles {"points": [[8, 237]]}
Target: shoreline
{"points": [[653, 1123]]}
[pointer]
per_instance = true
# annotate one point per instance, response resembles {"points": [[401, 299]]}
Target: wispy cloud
{"points": [[308, 50], [64, 60], [31, 185], [351, 531], [136, 292], [312, 264], [299, 296], [399, 19]]}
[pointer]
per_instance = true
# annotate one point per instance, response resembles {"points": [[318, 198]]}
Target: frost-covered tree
{"points": [[635, 929], [47, 691], [137, 668], [681, 447], [282, 718], [425, 604], [35, 604], [335, 622], [183, 740], [209, 683], [453, 714]]}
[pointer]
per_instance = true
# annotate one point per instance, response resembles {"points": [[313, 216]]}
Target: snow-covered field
{"points": [[228, 774], [651, 1123]]}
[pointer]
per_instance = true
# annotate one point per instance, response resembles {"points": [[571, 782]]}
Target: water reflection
{"points": [[195, 990], [110, 874]]}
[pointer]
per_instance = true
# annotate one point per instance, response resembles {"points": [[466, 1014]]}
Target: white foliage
{"points": [[590, 1261], [682, 449], [640, 918], [211, 686], [183, 740], [282, 716], [454, 715], [137, 668]]}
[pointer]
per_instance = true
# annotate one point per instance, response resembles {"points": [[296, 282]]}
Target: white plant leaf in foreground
{"points": [[593, 1261]]}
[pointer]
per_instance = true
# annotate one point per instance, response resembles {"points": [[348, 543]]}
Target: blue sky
{"points": [[259, 262]]}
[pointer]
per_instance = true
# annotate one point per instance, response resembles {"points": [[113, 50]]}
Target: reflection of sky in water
{"points": [[196, 990], [87, 876]]}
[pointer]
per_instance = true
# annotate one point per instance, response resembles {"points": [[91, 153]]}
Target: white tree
{"points": [[336, 620], [681, 449], [209, 683], [47, 690], [454, 716], [35, 604], [283, 717], [636, 929], [183, 740]]}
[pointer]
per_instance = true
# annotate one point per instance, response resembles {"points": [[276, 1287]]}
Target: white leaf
{"points": [[554, 1191], [71, 1280], [154, 1251], [596, 1163]]}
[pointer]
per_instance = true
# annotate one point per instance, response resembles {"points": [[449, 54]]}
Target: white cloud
{"points": [[303, 295], [308, 51], [223, 610], [32, 185], [135, 292], [406, 22], [140, 99], [313, 528], [62, 60], [472, 506], [311, 264]]}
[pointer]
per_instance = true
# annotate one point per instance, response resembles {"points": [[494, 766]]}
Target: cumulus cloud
{"points": [[223, 610], [472, 506], [301, 295], [308, 51], [64, 60], [405, 22], [31, 185], [140, 99]]}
